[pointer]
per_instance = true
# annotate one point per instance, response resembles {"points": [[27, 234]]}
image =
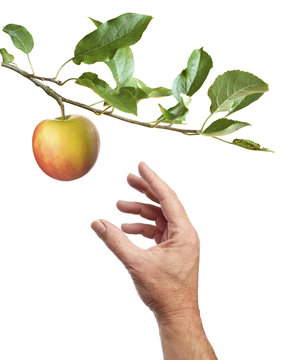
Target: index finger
{"points": [[171, 206], [141, 185]]}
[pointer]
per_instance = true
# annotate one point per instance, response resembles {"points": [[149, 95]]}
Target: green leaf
{"points": [[102, 43], [6, 57], [186, 100], [137, 92], [95, 22], [192, 78], [121, 99], [174, 115], [248, 144], [122, 65], [224, 127], [20, 37], [234, 90], [247, 100], [142, 91]]}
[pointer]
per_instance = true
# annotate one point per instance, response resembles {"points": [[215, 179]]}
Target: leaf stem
{"points": [[65, 81], [228, 142], [202, 128], [98, 102], [104, 110], [28, 57], [61, 67], [155, 123]]}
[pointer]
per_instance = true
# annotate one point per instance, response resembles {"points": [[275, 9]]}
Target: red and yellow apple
{"points": [[66, 149]]}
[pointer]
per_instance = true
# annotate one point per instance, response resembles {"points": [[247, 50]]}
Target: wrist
{"points": [[183, 337], [181, 305], [178, 317]]}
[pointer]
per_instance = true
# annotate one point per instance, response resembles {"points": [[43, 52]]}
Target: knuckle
{"points": [[194, 234], [193, 237], [173, 194]]}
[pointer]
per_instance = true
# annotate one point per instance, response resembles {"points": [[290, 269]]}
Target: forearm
{"points": [[183, 338]]}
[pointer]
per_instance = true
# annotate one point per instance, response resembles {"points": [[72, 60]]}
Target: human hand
{"points": [[165, 275]]}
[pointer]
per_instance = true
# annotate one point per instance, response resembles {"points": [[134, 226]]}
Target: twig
{"points": [[61, 99], [53, 80], [45, 88], [37, 80]]}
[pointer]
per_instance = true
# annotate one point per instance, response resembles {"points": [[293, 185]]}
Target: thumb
{"points": [[116, 241]]}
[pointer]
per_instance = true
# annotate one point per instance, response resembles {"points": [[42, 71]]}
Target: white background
{"points": [[63, 295]]}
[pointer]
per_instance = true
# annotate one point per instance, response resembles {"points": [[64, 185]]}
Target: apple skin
{"points": [[66, 149]]}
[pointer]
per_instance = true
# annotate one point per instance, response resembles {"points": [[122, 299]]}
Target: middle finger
{"points": [[147, 211]]}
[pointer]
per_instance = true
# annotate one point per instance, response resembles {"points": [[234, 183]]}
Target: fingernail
{"points": [[98, 227]]}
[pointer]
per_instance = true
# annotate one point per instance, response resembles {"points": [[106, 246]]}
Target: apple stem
{"points": [[60, 102]]}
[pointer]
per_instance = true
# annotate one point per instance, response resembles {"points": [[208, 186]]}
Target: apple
{"points": [[66, 149]]}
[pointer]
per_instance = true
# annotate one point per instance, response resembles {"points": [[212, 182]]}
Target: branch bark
{"points": [[37, 80]]}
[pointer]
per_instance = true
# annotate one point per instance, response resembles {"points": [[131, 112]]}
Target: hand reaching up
{"points": [[166, 274]]}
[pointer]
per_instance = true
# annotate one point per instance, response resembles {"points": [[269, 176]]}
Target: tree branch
{"points": [[53, 80], [61, 99]]}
